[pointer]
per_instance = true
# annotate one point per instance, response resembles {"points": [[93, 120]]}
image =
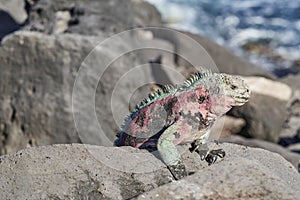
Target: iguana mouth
{"points": [[240, 100]]}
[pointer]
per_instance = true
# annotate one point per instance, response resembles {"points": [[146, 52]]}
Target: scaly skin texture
{"points": [[183, 114]]}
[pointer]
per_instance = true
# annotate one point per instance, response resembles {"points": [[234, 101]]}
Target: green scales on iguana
{"points": [[183, 114]]}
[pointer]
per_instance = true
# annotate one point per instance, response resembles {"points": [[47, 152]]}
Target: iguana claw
{"points": [[212, 155]]}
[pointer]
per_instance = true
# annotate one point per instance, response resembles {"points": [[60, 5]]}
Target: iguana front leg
{"points": [[200, 147], [169, 153]]}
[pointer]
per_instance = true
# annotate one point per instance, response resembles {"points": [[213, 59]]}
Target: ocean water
{"points": [[234, 23]]}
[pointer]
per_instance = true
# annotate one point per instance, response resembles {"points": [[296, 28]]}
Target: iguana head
{"points": [[235, 89]]}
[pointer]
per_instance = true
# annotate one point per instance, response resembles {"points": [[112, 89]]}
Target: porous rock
{"points": [[292, 157], [79, 172], [37, 79], [245, 173]]}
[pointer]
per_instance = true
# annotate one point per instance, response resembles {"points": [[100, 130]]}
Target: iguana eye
{"points": [[233, 87]]}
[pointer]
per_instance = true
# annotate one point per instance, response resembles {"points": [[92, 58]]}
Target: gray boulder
{"points": [[266, 111], [293, 158], [37, 79], [245, 173], [79, 171]]}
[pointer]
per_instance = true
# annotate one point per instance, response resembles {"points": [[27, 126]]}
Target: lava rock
{"points": [[80, 172], [292, 157], [245, 173], [77, 171]]}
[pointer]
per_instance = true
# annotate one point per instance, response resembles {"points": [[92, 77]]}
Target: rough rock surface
{"points": [[93, 172], [37, 82], [245, 173], [293, 158], [79, 172], [266, 111]]}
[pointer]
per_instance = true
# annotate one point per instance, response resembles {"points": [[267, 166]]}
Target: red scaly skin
{"points": [[192, 108]]}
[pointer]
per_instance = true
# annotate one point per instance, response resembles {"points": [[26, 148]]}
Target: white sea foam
{"points": [[251, 34], [256, 20], [177, 16], [233, 23]]}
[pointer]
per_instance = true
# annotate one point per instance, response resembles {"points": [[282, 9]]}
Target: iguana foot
{"points": [[178, 171], [201, 149], [212, 155]]}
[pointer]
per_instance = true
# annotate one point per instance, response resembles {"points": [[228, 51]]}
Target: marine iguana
{"points": [[183, 114]]}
